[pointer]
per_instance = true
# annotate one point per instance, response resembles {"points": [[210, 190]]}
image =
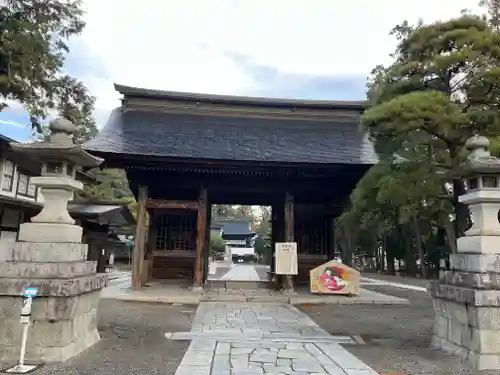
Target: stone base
{"points": [[467, 330], [61, 327], [44, 232]]}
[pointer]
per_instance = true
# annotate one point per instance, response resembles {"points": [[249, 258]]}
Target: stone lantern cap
{"points": [[60, 146], [479, 160]]}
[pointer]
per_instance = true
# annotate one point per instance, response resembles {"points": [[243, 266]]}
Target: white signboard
{"points": [[286, 258]]}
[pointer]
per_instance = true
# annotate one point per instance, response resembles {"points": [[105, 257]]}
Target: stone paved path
{"points": [[253, 338], [243, 272]]}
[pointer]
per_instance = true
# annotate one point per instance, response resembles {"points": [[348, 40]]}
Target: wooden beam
{"points": [[140, 238], [200, 238], [163, 203], [289, 235]]}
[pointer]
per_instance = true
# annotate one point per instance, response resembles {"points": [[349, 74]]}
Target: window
{"points": [[22, 184], [31, 189], [8, 176]]}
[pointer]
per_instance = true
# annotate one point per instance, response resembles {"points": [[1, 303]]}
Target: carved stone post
{"points": [[49, 255], [466, 299]]}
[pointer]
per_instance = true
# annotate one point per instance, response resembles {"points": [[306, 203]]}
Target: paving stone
{"points": [[239, 361], [306, 365], [263, 338], [342, 357], [244, 345], [293, 353], [202, 344], [197, 358], [247, 372], [193, 370], [284, 362], [278, 370], [321, 357], [295, 345], [361, 372], [221, 363], [223, 348], [263, 356], [271, 345], [245, 350]]}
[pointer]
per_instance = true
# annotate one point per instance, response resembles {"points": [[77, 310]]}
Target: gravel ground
{"points": [[133, 341], [397, 337]]}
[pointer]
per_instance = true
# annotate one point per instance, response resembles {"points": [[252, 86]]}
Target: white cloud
{"points": [[186, 45]]}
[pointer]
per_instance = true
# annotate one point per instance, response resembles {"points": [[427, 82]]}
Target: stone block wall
{"points": [[64, 313], [466, 303]]}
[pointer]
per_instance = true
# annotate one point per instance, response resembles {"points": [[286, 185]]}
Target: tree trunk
{"points": [[418, 244], [389, 256], [382, 256], [411, 269], [462, 215], [347, 257], [450, 237]]}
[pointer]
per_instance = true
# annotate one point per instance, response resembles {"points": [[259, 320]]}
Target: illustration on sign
{"points": [[334, 277]]}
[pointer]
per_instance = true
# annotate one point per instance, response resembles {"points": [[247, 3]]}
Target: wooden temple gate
{"points": [[184, 152]]}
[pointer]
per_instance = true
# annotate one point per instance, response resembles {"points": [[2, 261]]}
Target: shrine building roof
{"points": [[176, 125]]}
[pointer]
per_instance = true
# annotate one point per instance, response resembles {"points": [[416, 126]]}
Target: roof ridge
{"points": [[239, 99]]}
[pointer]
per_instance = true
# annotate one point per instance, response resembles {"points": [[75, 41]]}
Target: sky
{"points": [[301, 49]]}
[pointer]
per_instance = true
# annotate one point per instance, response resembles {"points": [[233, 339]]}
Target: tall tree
{"points": [[33, 46], [443, 87], [493, 8]]}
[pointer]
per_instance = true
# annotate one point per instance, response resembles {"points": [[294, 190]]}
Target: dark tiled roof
{"points": [[236, 227], [232, 138]]}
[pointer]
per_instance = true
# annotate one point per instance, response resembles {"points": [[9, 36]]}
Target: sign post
{"points": [[286, 258], [21, 368]]}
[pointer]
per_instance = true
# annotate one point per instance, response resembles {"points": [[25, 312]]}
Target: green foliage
{"points": [[112, 185], [217, 244], [33, 46], [442, 87]]}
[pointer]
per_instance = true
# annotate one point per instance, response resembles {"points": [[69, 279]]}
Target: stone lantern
{"points": [[60, 159], [466, 299], [49, 256]]}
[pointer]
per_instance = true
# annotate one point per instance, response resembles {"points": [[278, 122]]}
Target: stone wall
{"points": [[466, 304]]}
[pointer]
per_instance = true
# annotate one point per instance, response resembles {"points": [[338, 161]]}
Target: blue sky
{"points": [[308, 49]]}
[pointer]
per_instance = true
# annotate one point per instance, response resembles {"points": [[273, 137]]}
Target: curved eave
{"points": [[118, 160], [75, 154], [240, 100]]}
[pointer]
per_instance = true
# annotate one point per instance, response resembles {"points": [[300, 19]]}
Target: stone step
{"points": [[238, 285]]}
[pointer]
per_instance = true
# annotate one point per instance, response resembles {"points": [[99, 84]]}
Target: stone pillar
{"points": [[466, 299], [49, 255]]}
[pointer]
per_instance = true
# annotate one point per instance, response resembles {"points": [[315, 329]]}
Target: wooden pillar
{"points": [[200, 238], [140, 238], [289, 235], [206, 257], [274, 235]]}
